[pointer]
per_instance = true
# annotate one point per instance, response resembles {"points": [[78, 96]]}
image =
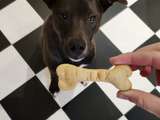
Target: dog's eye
{"points": [[64, 16], [92, 19]]}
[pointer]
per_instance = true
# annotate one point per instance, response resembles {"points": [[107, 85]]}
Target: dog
{"points": [[67, 34]]}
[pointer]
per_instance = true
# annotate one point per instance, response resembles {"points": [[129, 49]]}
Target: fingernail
{"points": [[122, 96], [111, 58]]}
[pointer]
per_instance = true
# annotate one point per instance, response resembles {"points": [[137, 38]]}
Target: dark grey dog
{"points": [[67, 35]]}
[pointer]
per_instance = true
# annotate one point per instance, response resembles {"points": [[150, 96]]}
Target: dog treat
{"points": [[70, 75]]}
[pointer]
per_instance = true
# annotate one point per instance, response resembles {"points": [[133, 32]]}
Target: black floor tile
{"points": [[156, 93], [3, 42], [30, 50], [30, 102], [4, 3], [92, 104], [40, 7], [104, 50], [148, 11], [139, 114], [111, 12]]}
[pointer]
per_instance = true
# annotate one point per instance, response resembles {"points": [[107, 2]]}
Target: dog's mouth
{"points": [[76, 60]]}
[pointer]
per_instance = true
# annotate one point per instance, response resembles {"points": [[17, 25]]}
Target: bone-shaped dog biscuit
{"points": [[70, 75]]}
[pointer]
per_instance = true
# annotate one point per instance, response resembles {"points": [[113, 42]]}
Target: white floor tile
{"points": [[158, 88], [131, 2], [63, 97], [158, 34], [123, 118], [3, 114], [59, 115], [18, 19], [13, 71], [44, 77], [127, 31], [141, 83]]}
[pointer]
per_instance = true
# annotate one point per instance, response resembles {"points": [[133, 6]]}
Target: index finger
{"points": [[138, 59]]}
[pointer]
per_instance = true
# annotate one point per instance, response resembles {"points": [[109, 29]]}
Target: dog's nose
{"points": [[76, 47]]}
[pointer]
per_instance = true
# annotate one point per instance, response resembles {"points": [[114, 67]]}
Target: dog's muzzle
{"points": [[76, 50]]}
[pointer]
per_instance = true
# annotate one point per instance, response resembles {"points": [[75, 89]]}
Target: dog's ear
{"points": [[107, 3], [49, 3]]}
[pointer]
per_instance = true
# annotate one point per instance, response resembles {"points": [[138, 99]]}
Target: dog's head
{"points": [[76, 22]]}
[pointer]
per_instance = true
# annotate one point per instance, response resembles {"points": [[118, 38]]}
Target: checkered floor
{"points": [[24, 79]]}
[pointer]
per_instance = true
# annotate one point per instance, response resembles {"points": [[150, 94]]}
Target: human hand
{"points": [[144, 59], [142, 99]]}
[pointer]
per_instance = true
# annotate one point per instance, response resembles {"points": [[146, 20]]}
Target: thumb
{"points": [[142, 99]]}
